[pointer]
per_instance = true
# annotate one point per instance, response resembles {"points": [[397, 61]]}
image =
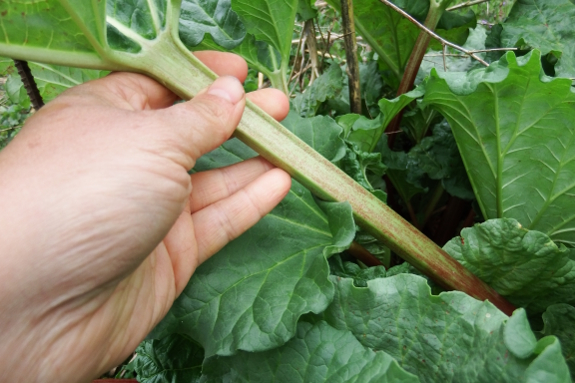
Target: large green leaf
{"points": [[449, 337], [270, 21], [174, 358], [198, 17], [546, 25], [44, 28], [559, 321], [523, 265], [516, 136], [251, 294], [318, 353]]}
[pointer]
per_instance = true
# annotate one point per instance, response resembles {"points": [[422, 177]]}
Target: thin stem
{"points": [[430, 209], [361, 254], [29, 83], [348, 24], [9, 129], [433, 34], [466, 4]]}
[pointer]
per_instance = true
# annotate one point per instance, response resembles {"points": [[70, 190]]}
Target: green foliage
{"points": [[284, 276], [544, 25], [431, 336], [174, 358], [393, 37], [559, 321], [327, 86], [524, 145], [525, 266], [199, 17], [317, 353]]}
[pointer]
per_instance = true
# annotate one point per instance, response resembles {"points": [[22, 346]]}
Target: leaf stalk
{"points": [[282, 148]]}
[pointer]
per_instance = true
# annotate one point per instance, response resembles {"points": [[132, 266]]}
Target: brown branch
{"points": [[29, 84], [361, 254], [351, 55]]}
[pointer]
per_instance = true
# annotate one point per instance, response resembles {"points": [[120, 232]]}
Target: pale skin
{"points": [[102, 227]]}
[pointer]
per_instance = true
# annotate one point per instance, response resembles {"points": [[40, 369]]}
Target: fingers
{"points": [[224, 63], [214, 185], [274, 102], [202, 124], [225, 220]]}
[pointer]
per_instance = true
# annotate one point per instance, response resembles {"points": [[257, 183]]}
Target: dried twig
{"points": [[348, 24], [311, 43], [466, 4], [433, 34]]}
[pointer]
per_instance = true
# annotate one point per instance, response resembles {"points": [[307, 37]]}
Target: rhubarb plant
{"points": [[286, 301]]}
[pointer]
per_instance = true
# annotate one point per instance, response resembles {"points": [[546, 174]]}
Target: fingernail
{"points": [[227, 87]]}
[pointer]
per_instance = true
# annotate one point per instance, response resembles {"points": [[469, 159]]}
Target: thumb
{"points": [[202, 124]]}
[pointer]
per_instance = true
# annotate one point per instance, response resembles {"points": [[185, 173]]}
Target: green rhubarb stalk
{"points": [[168, 61]]}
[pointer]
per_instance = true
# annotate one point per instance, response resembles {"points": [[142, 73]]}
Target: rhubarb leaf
{"points": [[325, 87], [54, 79], [253, 303], [174, 358], [46, 30], [449, 337], [317, 353], [269, 21], [198, 17], [559, 321], [544, 25], [525, 266], [514, 129], [319, 132]]}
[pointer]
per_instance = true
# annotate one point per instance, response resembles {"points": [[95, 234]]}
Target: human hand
{"points": [[102, 226]]}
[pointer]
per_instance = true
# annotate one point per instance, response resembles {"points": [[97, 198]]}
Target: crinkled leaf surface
{"points": [[175, 359], [449, 337], [216, 17], [326, 86], [318, 353], [546, 25], [559, 321], [250, 295], [516, 135], [392, 36], [525, 266], [438, 157]]}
